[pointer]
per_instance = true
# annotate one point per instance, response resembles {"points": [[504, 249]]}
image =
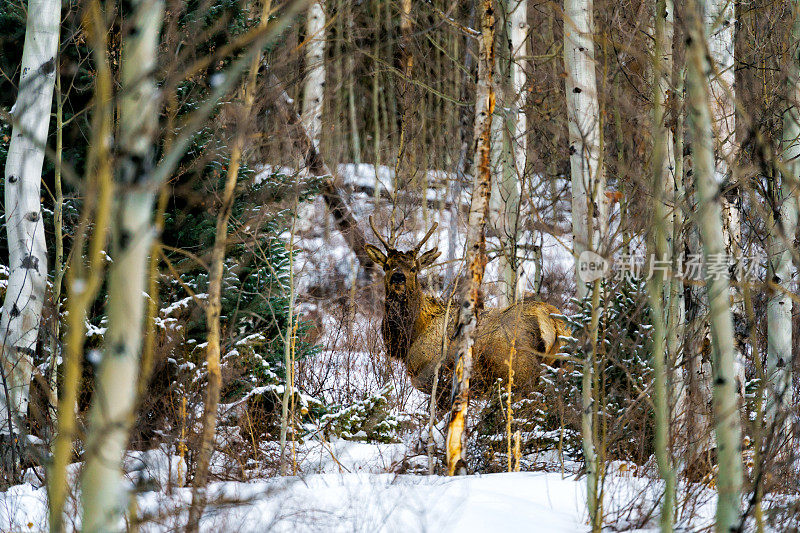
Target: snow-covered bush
{"points": [[367, 420], [623, 371]]}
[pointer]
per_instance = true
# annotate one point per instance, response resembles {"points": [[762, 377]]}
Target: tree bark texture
{"points": [[112, 410], [22, 308], [725, 404], [509, 144], [314, 87], [476, 244], [589, 208], [661, 228], [784, 204]]}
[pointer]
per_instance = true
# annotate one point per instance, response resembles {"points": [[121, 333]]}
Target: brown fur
{"points": [[413, 326]]}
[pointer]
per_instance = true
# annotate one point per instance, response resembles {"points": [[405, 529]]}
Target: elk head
{"points": [[404, 300], [402, 269]]}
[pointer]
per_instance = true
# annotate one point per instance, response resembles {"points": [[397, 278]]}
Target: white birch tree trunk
{"points": [[589, 208], [22, 308], [314, 88], [509, 147], [725, 404], [662, 79], [779, 304], [720, 22], [112, 410], [661, 231], [676, 310]]}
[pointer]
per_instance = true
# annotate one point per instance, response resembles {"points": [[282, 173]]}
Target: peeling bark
{"points": [[476, 245]]}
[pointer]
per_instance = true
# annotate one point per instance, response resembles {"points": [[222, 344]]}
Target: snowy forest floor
{"points": [[351, 486], [363, 501]]}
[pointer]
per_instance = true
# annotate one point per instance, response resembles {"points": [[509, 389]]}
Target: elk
{"points": [[414, 322]]}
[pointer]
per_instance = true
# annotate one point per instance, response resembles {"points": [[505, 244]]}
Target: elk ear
{"points": [[427, 259], [375, 254]]}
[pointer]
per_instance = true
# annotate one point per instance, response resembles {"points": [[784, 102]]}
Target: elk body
{"points": [[414, 325]]}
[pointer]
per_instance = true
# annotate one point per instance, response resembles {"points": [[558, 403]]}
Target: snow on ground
{"points": [[358, 501], [388, 503], [346, 486]]}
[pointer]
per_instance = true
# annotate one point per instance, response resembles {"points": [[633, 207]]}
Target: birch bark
{"points": [[22, 308], [589, 209], [720, 22], [509, 146], [518, 29], [661, 227], [314, 88], [779, 304], [725, 405], [476, 244], [111, 413]]}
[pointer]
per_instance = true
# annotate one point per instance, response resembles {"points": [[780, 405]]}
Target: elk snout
{"points": [[397, 278]]}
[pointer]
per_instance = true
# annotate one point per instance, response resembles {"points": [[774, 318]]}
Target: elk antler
{"points": [[378, 235], [426, 237]]}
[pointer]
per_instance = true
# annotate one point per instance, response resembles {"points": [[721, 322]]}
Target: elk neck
{"points": [[406, 317]]}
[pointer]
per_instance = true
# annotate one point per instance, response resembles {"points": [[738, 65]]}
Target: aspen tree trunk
{"points": [[697, 421], [588, 184], [22, 308], [779, 304], [314, 88], [720, 26], [58, 237], [111, 412], [84, 279], [500, 162], [725, 405], [476, 244], [667, 180], [518, 29], [661, 228], [589, 209], [676, 310], [509, 145], [675, 305], [717, 17]]}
